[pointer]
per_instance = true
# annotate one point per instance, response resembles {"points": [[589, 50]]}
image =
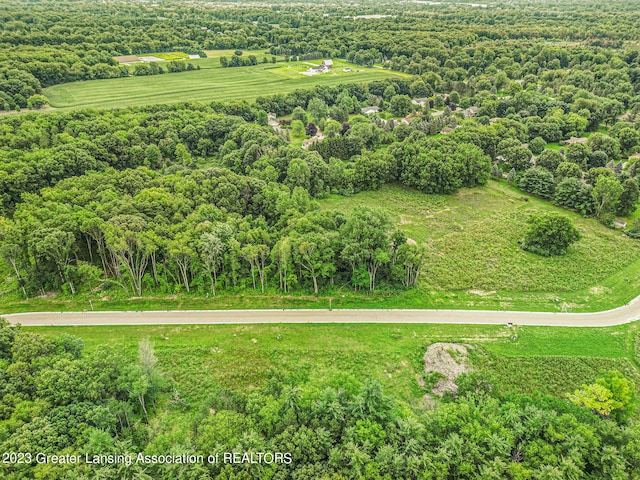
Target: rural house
{"points": [[272, 120], [370, 110], [576, 140]]}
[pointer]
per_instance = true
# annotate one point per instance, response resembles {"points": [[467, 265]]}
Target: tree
{"points": [[537, 145], [400, 105], [549, 159], [518, 157], [574, 194], [130, 244], [182, 155], [11, 251], [311, 129], [610, 395], [298, 174], [299, 114], [594, 174], [297, 128], [420, 89], [628, 201], [568, 170], [332, 129], [549, 234], [606, 195], [36, 102], [55, 245], [318, 109], [256, 255], [578, 153], [182, 253], [262, 118], [410, 257], [369, 135], [12, 254], [213, 244], [371, 170], [365, 237], [623, 392], [389, 93], [282, 257], [339, 114], [538, 181], [628, 138], [595, 397], [314, 253]]}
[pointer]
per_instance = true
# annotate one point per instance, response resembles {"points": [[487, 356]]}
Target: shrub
{"points": [[538, 181], [549, 234]]}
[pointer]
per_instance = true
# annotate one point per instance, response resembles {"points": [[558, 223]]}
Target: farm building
{"points": [[328, 64]]}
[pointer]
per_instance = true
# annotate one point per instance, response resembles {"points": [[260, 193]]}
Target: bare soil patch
{"points": [[449, 360]]}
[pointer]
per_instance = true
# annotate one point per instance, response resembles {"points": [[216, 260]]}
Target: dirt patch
{"points": [[448, 361], [599, 290], [127, 59], [482, 293]]}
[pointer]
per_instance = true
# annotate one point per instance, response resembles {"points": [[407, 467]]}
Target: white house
{"points": [[370, 110]]}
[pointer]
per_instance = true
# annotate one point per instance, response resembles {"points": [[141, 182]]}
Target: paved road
{"points": [[618, 316]]}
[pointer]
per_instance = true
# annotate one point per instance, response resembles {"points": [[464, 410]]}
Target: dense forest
{"points": [[206, 199], [189, 196], [201, 197]]}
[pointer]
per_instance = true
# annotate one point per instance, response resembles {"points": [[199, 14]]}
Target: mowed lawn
{"points": [[474, 259], [211, 83]]}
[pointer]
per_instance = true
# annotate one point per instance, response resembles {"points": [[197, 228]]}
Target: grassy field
{"points": [[199, 358], [475, 259], [211, 83]]}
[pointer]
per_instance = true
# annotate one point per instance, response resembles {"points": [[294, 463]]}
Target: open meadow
{"points": [[210, 83], [475, 260], [200, 358]]}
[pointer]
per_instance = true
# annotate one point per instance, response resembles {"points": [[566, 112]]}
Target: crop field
{"points": [[241, 357], [210, 83]]}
